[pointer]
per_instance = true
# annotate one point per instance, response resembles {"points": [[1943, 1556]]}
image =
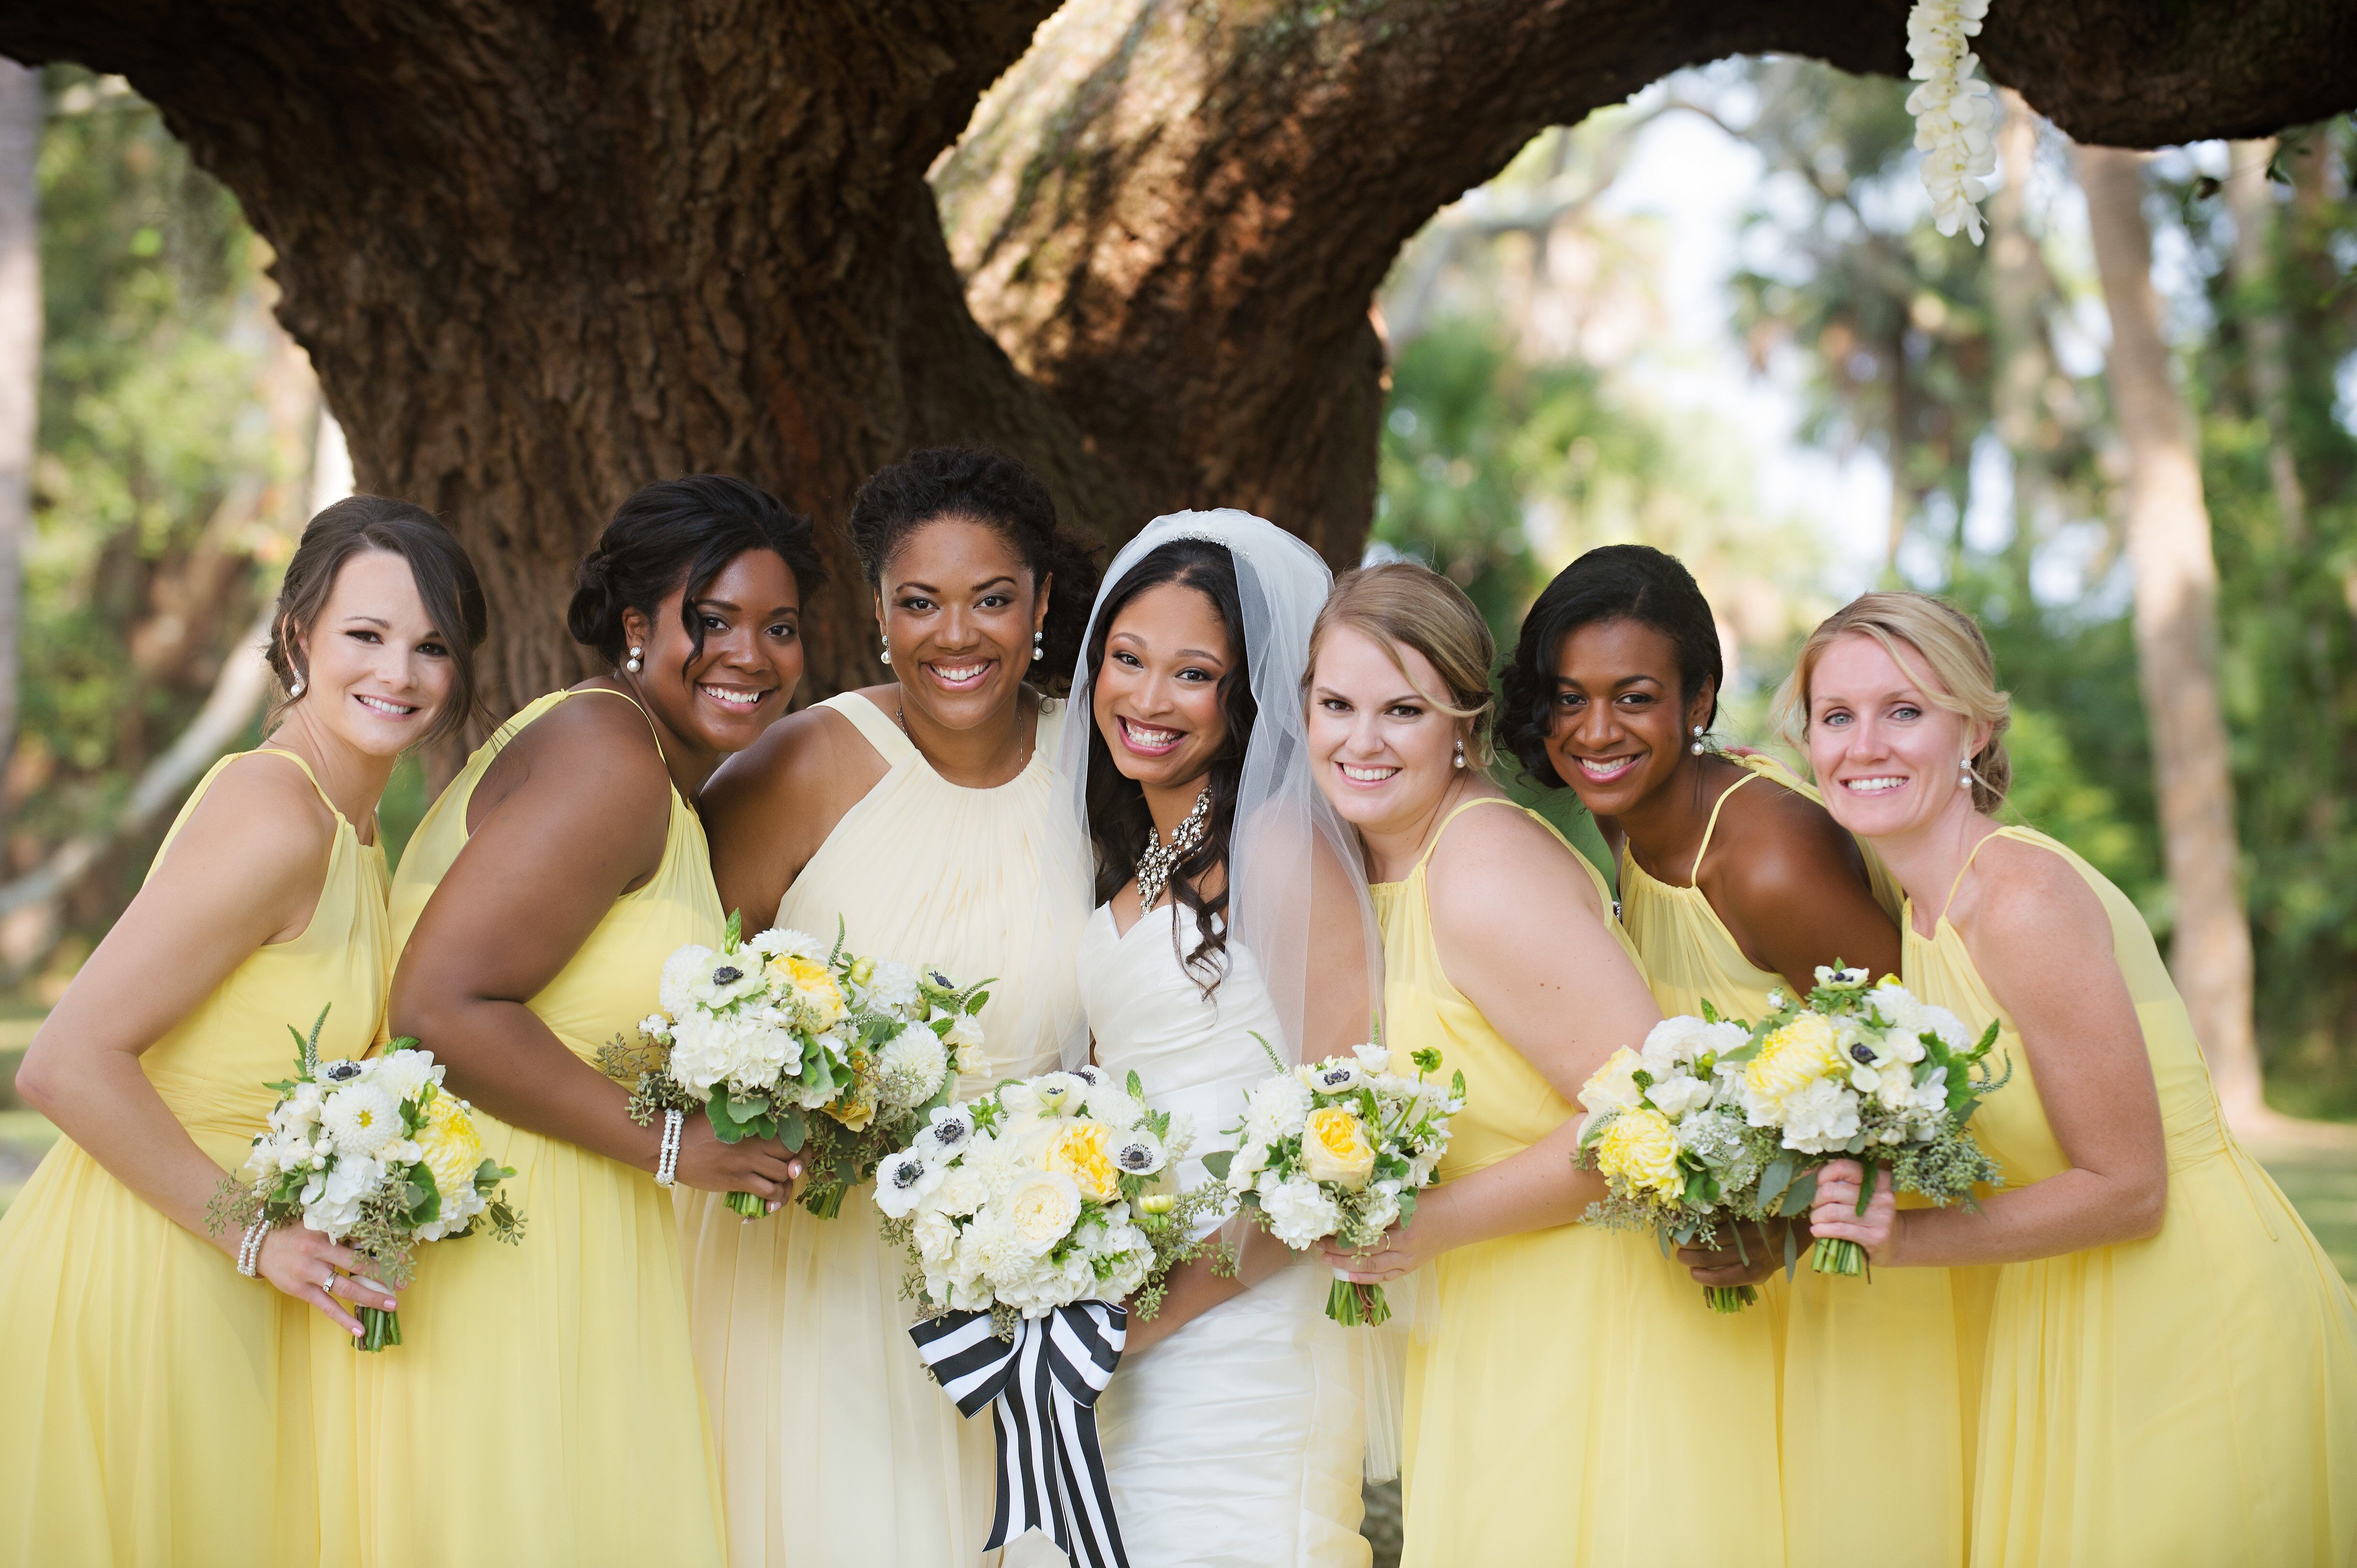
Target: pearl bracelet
{"points": [[667, 1162], [249, 1251]]}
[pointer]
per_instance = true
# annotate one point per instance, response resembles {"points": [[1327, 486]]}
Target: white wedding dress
{"points": [[1236, 1442]]}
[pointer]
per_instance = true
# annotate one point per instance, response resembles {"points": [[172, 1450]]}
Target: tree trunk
{"points": [[2017, 291], [23, 105], [544, 253], [2176, 638], [2262, 318]]}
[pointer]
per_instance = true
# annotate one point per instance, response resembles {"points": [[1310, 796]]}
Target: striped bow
{"points": [[1042, 1393]]}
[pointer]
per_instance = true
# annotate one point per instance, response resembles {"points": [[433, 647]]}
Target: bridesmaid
{"points": [[2172, 1361], [1577, 1402], [1730, 893], [923, 814], [543, 1407], [159, 1407]]}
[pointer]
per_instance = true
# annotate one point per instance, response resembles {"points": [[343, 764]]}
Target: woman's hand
{"points": [[1835, 1216], [758, 1165], [1399, 1249], [1760, 1254], [319, 1273]]}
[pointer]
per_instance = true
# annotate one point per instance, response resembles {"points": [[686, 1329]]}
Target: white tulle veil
{"points": [[1296, 883]]}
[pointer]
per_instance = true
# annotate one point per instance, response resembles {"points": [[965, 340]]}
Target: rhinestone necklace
{"points": [[1154, 866]]}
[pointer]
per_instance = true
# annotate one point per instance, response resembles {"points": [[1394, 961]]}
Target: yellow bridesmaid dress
{"points": [[155, 1406], [838, 1448], [2191, 1398], [1858, 1357], [1578, 1406], [542, 1404]]}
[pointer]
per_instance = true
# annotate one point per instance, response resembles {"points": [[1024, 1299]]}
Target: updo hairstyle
{"points": [[438, 564], [1403, 604], [676, 534], [1615, 582], [974, 484], [1949, 642]]}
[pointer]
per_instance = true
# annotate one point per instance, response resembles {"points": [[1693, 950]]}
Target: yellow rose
{"points": [[453, 1149], [1041, 1208], [814, 985], [857, 1110], [1334, 1148], [1804, 1050], [1639, 1148], [1077, 1149]]}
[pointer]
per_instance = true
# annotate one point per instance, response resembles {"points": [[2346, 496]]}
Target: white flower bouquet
{"points": [[1869, 1073], [1045, 1191], [1340, 1148], [836, 1056], [1666, 1132], [374, 1153]]}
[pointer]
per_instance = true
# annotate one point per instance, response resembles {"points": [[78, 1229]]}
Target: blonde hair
{"points": [[1403, 604], [1949, 642]]}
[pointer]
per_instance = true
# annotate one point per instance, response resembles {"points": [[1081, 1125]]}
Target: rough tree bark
{"points": [[23, 105], [2177, 638], [542, 252], [2017, 288]]}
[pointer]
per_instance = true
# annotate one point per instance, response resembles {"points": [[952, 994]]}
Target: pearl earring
{"points": [[1460, 754], [1696, 747], [1037, 650], [636, 661], [296, 689], [1964, 774], [884, 653]]}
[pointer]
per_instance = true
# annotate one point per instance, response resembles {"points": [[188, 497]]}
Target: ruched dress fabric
{"points": [[838, 1449], [155, 1406], [1578, 1406], [2190, 1398], [1237, 1442], [542, 1404], [1895, 1354]]}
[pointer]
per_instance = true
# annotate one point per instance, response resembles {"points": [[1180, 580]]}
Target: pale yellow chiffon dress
{"points": [[155, 1406], [542, 1404], [2191, 1398], [838, 1450], [1578, 1406], [1895, 1354]]}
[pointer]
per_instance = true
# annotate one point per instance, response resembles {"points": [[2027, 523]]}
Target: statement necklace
{"points": [[1154, 866]]}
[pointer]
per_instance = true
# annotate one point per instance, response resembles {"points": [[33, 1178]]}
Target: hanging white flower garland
{"points": [[1955, 111]]}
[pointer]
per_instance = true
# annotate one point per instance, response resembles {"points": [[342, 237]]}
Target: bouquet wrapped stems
{"points": [[1839, 1255]]}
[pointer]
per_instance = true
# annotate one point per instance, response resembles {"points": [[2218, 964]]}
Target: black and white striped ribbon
{"points": [[1042, 1393]]}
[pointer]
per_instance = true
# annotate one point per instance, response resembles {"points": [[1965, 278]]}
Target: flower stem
{"points": [[824, 1198], [1839, 1255], [746, 1205], [379, 1328], [1728, 1298], [1353, 1305]]}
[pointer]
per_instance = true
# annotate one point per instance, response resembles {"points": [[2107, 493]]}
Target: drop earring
{"points": [[1038, 648], [296, 689], [636, 661], [1696, 747], [885, 651], [1460, 755], [1964, 774]]}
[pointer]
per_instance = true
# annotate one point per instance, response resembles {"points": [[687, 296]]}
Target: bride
{"points": [[1230, 915]]}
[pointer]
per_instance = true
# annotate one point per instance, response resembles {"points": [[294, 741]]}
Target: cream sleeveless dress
{"points": [[156, 1407], [837, 1448], [1236, 1442], [1854, 1357]]}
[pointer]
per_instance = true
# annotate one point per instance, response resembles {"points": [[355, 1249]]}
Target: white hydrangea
{"points": [[1820, 1117], [785, 941], [894, 989], [1299, 1212], [1277, 1108], [402, 1074]]}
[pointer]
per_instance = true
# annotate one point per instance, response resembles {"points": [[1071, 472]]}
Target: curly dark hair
{"points": [[1118, 819], [681, 534], [990, 488], [1615, 582]]}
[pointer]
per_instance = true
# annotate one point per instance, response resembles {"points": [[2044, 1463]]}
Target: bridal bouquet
{"points": [[1666, 1132], [1340, 1148], [1028, 1214], [374, 1153], [836, 1056], [1872, 1073]]}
